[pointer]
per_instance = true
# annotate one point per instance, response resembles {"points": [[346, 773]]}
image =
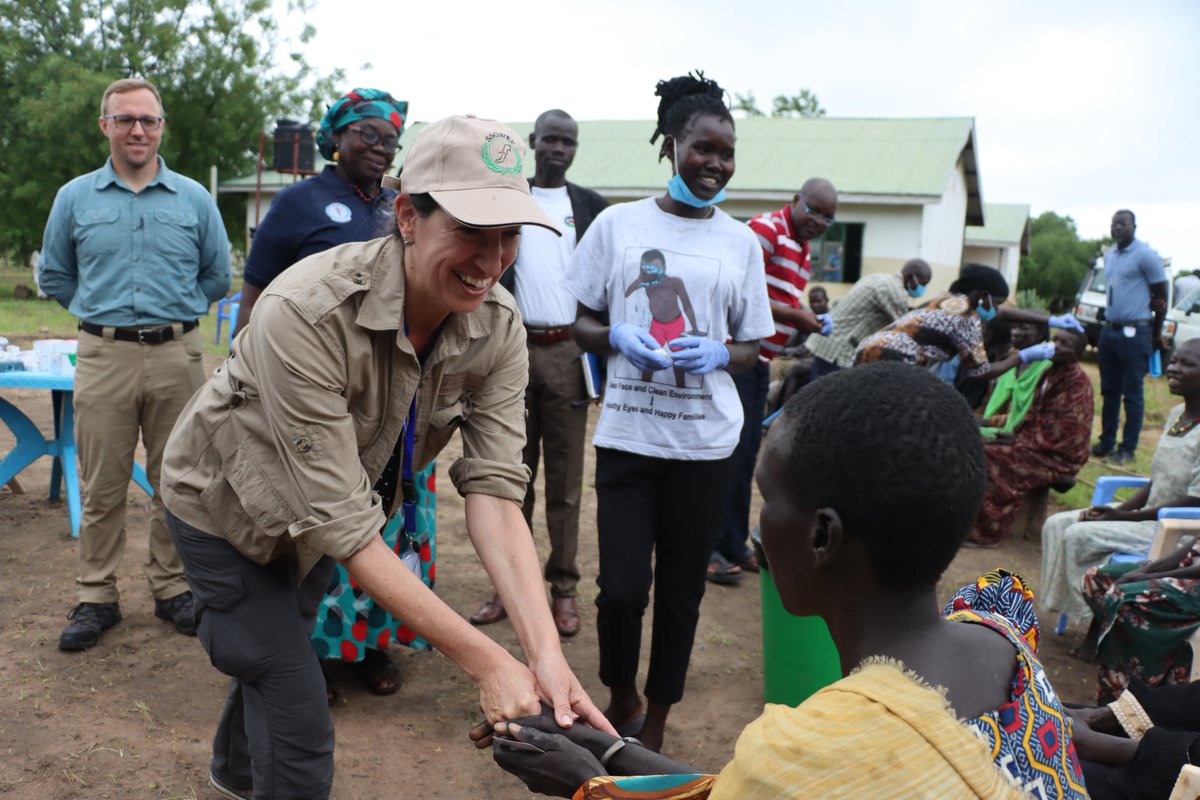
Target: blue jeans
{"points": [[752, 386], [1124, 362]]}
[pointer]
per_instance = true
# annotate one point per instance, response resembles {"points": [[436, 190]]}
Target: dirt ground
{"points": [[132, 718]]}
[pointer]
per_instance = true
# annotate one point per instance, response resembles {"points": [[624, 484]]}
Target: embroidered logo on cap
{"points": [[501, 154]]}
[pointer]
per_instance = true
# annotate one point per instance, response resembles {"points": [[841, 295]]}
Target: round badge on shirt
{"points": [[569, 220], [338, 212]]}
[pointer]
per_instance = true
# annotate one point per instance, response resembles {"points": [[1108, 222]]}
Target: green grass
{"points": [[23, 321]]}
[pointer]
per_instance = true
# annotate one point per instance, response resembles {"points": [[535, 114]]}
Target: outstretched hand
{"points": [[548, 763], [1066, 321], [560, 689]]}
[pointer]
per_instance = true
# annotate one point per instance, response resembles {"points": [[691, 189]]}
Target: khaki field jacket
{"points": [[279, 451]]}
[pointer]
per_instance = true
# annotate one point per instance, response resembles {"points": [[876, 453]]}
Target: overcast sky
{"points": [[1080, 107]]}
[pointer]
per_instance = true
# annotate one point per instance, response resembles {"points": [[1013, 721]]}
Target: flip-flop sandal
{"points": [[722, 572], [379, 674], [748, 564]]}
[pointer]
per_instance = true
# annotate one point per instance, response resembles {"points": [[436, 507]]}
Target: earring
{"points": [[407, 242], [336, 156]]}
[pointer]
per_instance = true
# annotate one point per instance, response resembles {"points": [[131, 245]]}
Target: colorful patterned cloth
{"points": [[929, 335], [1030, 736], [348, 620], [647, 787], [1051, 443], [1021, 750], [1070, 547], [356, 105], [1144, 626]]}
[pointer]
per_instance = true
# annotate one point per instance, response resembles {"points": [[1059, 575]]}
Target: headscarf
{"points": [[359, 104]]}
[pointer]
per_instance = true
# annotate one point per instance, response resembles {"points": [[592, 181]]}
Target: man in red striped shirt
{"points": [[784, 236]]}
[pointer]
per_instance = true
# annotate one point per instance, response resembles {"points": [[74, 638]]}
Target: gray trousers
{"points": [[275, 732]]}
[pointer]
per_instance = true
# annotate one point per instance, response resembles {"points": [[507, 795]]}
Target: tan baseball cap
{"points": [[474, 169]]}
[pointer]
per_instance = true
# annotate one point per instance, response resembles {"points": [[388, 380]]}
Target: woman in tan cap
{"points": [[361, 363]]}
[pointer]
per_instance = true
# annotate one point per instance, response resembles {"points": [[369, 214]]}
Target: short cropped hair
{"points": [[129, 85], [897, 453]]}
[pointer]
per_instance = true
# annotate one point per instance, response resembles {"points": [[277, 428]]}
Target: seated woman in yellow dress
{"points": [[947, 705]]}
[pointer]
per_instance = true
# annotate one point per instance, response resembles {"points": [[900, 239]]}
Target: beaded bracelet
{"points": [[1131, 715]]}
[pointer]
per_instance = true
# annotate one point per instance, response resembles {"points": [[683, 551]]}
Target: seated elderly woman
{"points": [[931, 706], [1039, 420], [1075, 541]]}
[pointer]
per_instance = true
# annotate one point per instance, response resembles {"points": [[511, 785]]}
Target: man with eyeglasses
{"points": [[136, 252], [784, 236]]}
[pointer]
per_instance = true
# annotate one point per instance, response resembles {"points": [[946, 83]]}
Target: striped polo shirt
{"points": [[788, 269]]}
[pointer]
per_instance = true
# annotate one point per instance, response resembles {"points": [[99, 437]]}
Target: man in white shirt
{"points": [[555, 402]]}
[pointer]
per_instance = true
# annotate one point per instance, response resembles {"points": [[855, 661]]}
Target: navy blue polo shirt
{"points": [[310, 217]]}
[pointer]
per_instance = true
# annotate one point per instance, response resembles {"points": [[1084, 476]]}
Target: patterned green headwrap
{"points": [[358, 104]]}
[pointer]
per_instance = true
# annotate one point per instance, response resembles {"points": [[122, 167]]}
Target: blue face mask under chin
{"points": [[680, 191], [986, 314], [917, 292]]}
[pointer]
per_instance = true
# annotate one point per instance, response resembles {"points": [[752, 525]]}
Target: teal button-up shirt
{"points": [[113, 256]]}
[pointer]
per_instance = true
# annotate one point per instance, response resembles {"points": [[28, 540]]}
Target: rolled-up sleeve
{"points": [[302, 382], [493, 434]]}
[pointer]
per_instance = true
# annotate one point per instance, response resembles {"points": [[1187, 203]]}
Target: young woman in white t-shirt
{"points": [[672, 290]]}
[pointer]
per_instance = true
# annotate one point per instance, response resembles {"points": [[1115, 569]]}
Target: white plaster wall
{"points": [[942, 228]]}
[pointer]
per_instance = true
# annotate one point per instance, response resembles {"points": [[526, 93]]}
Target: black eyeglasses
{"points": [[372, 139], [125, 122], [818, 216]]}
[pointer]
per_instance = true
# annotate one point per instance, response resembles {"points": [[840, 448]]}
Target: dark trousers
{"points": [[669, 511], [752, 386], [557, 431], [821, 368], [1124, 362], [275, 732]]}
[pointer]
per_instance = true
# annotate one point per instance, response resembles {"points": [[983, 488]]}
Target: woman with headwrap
{"points": [[347, 203], [951, 326], [359, 134]]}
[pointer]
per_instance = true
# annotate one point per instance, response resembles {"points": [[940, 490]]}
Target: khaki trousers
{"points": [[123, 389], [557, 430]]}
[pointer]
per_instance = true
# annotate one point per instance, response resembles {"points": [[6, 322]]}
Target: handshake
{"points": [[697, 355]]}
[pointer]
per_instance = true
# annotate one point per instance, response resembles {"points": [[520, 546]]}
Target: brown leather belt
{"points": [[156, 335], [544, 336]]}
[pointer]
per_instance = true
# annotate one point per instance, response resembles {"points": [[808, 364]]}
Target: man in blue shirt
{"points": [[137, 253], [1137, 304]]}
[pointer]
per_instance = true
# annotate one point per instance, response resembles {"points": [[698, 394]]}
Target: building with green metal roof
{"points": [[1000, 242], [908, 188]]}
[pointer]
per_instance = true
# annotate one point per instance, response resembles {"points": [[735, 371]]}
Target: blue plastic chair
{"points": [[227, 311], [1106, 489]]}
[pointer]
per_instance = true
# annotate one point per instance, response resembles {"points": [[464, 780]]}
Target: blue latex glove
{"points": [[698, 355], [1037, 352], [826, 324], [638, 346], [1067, 321]]}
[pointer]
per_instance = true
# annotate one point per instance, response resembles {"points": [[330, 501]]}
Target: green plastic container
{"points": [[799, 656]]}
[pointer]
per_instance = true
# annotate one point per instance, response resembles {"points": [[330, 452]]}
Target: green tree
{"points": [[802, 104], [213, 61], [1058, 259]]}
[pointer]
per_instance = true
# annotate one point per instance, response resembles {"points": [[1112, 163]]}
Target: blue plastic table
{"points": [[32, 445]]}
